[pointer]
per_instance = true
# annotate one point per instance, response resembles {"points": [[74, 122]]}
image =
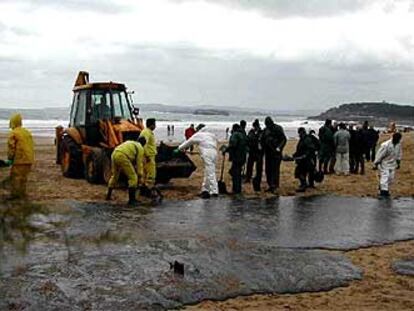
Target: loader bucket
{"points": [[170, 166]]}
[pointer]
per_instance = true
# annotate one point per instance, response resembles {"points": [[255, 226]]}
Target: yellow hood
{"points": [[15, 121]]}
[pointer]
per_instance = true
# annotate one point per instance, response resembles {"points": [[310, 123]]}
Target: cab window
{"points": [[81, 109], [120, 104]]}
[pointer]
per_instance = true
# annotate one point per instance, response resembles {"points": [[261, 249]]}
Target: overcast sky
{"points": [[280, 54]]}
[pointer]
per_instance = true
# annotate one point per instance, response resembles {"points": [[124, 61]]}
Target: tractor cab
{"points": [[97, 103]]}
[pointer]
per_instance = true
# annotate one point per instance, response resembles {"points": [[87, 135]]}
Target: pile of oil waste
{"points": [[99, 256]]}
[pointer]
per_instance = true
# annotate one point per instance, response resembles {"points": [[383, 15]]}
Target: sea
{"points": [[216, 124]]}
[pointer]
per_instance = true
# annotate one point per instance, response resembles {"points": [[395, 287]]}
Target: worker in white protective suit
{"points": [[207, 144], [387, 160]]}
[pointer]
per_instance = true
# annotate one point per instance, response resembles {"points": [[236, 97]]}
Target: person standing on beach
{"points": [[341, 140], [316, 147], [255, 155], [172, 130], [373, 137], [273, 142], [327, 148], [356, 150], [20, 155], [387, 160], [128, 158], [207, 143], [168, 130], [243, 125], [237, 150], [190, 131], [305, 160], [150, 153]]}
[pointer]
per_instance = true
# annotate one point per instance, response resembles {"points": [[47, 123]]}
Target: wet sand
{"points": [[380, 289]]}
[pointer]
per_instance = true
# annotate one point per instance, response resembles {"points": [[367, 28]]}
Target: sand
{"points": [[380, 289]]}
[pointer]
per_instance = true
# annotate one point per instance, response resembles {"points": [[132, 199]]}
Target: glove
{"points": [[176, 152], [9, 162], [398, 164], [223, 149]]}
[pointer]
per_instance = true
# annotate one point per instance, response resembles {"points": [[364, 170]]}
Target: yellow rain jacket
{"points": [[19, 149], [150, 147], [20, 142], [123, 159]]}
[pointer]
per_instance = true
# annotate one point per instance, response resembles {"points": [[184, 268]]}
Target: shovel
{"points": [[221, 184]]}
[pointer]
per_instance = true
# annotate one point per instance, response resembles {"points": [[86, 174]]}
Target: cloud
{"points": [[292, 8], [186, 75], [97, 6], [208, 53]]}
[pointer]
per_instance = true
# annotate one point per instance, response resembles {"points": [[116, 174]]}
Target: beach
{"points": [[380, 288]]}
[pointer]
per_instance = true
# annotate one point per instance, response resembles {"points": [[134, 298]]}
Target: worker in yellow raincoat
{"points": [[20, 154], [128, 159], [150, 153]]}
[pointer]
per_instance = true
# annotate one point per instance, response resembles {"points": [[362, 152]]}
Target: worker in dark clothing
{"points": [[237, 149], [352, 148], [243, 125], [273, 141], [255, 155], [372, 138], [304, 158], [356, 151], [366, 144], [327, 146], [316, 145]]}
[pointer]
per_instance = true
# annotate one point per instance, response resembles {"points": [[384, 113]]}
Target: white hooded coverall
{"points": [[207, 144], [386, 159]]}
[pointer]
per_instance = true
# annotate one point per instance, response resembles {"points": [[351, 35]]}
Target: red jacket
{"points": [[189, 132]]}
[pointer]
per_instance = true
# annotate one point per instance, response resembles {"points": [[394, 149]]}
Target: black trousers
{"points": [[372, 151], [311, 173], [357, 162], [272, 167], [305, 169], [236, 175], [255, 157]]}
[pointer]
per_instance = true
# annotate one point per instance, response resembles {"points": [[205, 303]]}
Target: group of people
{"points": [[344, 150], [252, 147], [338, 149]]}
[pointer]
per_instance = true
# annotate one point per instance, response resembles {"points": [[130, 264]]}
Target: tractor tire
{"points": [[71, 155], [106, 167], [93, 167]]}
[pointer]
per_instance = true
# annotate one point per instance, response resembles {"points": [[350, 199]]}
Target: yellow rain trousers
{"points": [[150, 152], [21, 151], [123, 159]]}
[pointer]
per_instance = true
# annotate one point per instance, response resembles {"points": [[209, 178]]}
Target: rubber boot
{"points": [[131, 194], [384, 193], [109, 194], [205, 195], [302, 186]]}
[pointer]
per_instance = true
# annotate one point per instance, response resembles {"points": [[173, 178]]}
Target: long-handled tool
{"points": [[221, 184]]}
